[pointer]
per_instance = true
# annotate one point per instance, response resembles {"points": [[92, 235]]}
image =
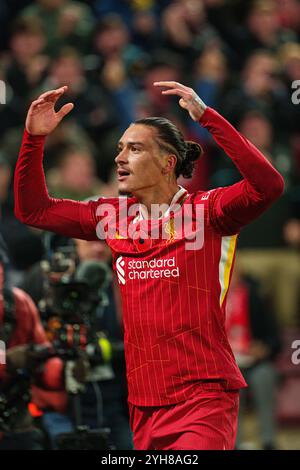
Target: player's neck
{"points": [[158, 195]]}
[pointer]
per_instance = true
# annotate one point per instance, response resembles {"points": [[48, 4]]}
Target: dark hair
{"points": [[170, 139], [26, 26], [109, 22]]}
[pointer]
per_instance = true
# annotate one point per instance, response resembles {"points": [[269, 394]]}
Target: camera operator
{"points": [[22, 333], [110, 389], [94, 379]]}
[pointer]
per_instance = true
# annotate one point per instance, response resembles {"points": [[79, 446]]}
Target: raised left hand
{"points": [[189, 99]]}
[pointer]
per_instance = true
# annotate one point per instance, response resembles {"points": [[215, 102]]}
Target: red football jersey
{"points": [[173, 302], [173, 298]]}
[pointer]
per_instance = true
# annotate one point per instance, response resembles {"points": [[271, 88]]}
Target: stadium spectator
{"points": [[75, 176], [254, 338], [65, 22]]}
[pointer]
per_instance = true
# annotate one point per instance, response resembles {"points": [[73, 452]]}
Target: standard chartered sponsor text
{"points": [[154, 269]]}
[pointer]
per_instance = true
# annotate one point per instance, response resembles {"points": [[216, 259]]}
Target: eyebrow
{"points": [[131, 142]]}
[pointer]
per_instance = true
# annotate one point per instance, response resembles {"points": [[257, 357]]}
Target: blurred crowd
{"points": [[242, 58]]}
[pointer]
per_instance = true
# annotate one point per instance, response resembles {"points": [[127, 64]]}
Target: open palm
{"points": [[189, 99], [42, 117]]}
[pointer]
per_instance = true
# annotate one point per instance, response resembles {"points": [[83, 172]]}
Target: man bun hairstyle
{"points": [[170, 139], [192, 153]]}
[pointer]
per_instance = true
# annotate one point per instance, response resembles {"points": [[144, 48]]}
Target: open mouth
{"points": [[122, 174]]}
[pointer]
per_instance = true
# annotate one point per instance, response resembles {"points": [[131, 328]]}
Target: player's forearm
{"points": [[33, 205], [31, 195], [263, 178]]}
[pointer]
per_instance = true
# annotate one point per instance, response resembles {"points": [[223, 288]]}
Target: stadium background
{"points": [[240, 57]]}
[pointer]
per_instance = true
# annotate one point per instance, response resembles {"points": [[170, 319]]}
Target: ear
{"points": [[169, 164]]}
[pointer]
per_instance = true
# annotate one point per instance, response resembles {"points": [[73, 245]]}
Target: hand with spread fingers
{"points": [[42, 117], [189, 99]]}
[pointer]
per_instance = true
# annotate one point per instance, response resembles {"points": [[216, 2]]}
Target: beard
{"points": [[124, 193]]}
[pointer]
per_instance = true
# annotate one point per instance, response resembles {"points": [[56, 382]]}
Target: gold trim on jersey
{"points": [[227, 255], [118, 236]]}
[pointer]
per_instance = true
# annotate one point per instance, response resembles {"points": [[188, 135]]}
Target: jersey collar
{"points": [[178, 198]]}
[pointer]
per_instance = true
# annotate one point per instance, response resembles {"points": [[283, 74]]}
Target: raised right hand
{"points": [[189, 99], [42, 117]]}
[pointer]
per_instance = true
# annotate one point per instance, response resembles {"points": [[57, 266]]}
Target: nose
{"points": [[121, 157]]}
